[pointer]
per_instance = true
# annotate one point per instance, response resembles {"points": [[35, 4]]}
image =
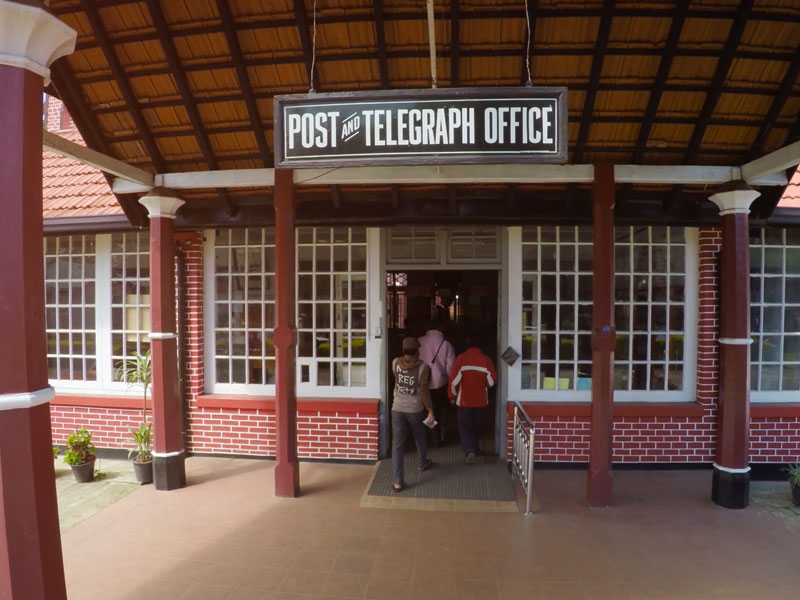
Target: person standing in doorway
{"points": [[438, 354], [472, 375], [410, 407]]}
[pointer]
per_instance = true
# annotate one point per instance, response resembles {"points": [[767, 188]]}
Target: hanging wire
{"points": [[311, 89], [528, 45]]}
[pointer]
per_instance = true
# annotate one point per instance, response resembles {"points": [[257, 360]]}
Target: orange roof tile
{"points": [[72, 188], [791, 197]]}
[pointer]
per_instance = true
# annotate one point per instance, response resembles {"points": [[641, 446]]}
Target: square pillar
{"points": [[31, 565], [604, 335], [169, 472], [730, 486], [287, 469]]}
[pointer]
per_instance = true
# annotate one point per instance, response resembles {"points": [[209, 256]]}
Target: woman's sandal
{"points": [[397, 487], [425, 466]]}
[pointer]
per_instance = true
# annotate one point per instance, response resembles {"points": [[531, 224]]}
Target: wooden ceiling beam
{"points": [[179, 76], [210, 65], [660, 83], [455, 34], [533, 12], [380, 39], [600, 49], [236, 95], [720, 74], [121, 80], [781, 96], [237, 56], [305, 42], [68, 92]]}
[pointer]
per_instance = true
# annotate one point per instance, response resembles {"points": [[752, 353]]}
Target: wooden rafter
{"points": [[380, 39], [779, 101], [660, 82], [171, 53], [305, 41], [223, 63], [455, 32], [121, 79], [244, 80], [348, 17], [63, 80], [720, 73], [533, 12], [600, 50]]}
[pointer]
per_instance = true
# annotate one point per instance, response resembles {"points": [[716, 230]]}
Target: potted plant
{"points": [[79, 455], [794, 481], [137, 369]]}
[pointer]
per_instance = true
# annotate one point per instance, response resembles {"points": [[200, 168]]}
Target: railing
{"points": [[522, 453]]}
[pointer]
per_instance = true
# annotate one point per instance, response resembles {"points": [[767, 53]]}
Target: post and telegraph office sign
{"points": [[436, 126]]}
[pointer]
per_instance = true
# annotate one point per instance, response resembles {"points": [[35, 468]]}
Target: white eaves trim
{"points": [[59, 145], [450, 174]]}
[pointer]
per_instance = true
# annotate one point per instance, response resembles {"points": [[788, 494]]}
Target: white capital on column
{"points": [[734, 197], [32, 38], [161, 202]]}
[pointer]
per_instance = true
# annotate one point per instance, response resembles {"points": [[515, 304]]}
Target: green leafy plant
{"points": [[56, 452], [80, 449], [137, 369], [143, 438], [793, 471]]}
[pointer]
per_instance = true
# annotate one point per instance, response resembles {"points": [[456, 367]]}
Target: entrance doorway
{"points": [[468, 300]]}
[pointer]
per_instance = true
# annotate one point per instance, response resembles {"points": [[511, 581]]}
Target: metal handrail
{"points": [[522, 452]]}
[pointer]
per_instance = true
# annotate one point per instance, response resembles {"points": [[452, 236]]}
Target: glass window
{"points": [[413, 243], [70, 304], [775, 310], [650, 277], [332, 304], [244, 306], [130, 295]]}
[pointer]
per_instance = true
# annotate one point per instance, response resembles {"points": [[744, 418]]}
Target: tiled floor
{"points": [[226, 537]]}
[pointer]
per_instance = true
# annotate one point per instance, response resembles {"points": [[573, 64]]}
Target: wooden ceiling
{"points": [[185, 85]]}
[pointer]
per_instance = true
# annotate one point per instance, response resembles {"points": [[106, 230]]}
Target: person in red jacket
{"points": [[473, 373]]}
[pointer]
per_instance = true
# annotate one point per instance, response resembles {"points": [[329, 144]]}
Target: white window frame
{"points": [[514, 294], [305, 389], [104, 384], [443, 253], [762, 396]]}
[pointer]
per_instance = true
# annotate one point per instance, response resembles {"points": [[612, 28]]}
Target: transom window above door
{"points": [[443, 245]]}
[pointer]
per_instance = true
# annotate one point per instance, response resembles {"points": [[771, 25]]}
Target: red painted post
{"points": [[169, 471], [600, 483], [730, 485], [31, 566], [287, 469]]}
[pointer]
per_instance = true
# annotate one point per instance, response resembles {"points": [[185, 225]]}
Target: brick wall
{"points": [[110, 427], [775, 440], [56, 115]]}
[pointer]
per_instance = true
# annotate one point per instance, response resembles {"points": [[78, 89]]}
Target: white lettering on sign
{"points": [[507, 124], [434, 127]]}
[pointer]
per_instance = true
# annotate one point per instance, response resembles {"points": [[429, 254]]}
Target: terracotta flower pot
{"points": [[84, 473]]}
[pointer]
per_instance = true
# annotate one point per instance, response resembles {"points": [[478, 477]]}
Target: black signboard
{"points": [[436, 126]]}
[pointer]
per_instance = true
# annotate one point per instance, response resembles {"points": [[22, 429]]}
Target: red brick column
{"points": [[599, 485], [731, 477], [287, 471], [31, 566], [168, 458]]}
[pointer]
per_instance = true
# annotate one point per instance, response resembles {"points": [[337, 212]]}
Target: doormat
{"points": [[449, 484]]}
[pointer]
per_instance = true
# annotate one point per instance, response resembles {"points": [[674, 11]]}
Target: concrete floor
{"points": [[226, 537]]}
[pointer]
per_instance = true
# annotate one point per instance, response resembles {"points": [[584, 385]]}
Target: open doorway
{"points": [[468, 299]]}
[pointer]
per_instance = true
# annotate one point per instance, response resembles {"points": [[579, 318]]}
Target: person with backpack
{"points": [[410, 406], [473, 373], [438, 354]]}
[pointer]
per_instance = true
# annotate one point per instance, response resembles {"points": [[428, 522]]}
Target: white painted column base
{"points": [[26, 400]]}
